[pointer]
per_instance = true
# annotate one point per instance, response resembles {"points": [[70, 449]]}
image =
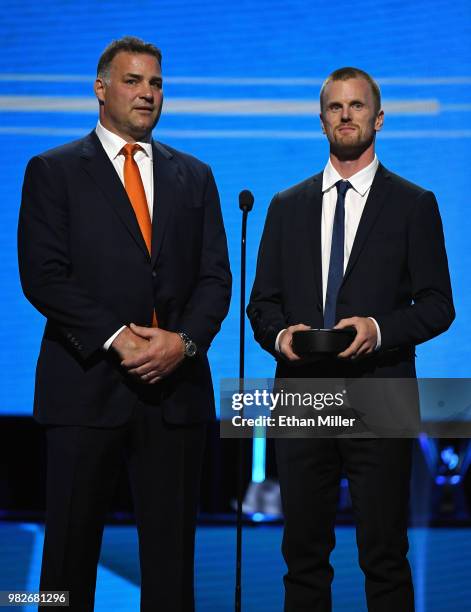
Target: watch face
{"points": [[190, 349]]}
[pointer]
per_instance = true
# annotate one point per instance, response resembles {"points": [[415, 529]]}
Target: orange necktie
{"points": [[137, 196], [135, 190]]}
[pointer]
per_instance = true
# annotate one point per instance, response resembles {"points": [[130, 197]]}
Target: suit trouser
{"points": [[378, 472], [164, 468]]}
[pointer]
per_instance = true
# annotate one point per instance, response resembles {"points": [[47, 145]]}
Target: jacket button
{"points": [[154, 273], [319, 307]]}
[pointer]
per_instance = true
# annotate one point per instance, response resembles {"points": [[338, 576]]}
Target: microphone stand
{"points": [[246, 201]]}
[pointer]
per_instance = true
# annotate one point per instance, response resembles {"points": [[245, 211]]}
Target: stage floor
{"points": [[440, 559]]}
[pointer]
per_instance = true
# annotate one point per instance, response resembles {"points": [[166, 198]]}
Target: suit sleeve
{"points": [[209, 302], [431, 311], [46, 272], [265, 310]]}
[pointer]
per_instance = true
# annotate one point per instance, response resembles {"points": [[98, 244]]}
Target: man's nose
{"points": [[146, 91], [346, 113]]}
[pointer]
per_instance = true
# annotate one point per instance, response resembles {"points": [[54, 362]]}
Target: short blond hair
{"points": [[343, 74]]}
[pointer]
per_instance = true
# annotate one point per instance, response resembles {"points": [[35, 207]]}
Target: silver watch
{"points": [[190, 346]]}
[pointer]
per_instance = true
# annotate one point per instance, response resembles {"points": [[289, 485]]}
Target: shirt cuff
{"points": [[378, 334], [110, 340], [277, 341]]}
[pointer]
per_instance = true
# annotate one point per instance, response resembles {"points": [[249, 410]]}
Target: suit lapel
{"points": [[98, 166], [165, 185], [314, 216], [373, 206]]}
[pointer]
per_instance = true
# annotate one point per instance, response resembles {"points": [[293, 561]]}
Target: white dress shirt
{"points": [[355, 201], [112, 143]]}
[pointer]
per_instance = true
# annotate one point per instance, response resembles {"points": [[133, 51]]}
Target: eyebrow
{"points": [[332, 102], [140, 77]]}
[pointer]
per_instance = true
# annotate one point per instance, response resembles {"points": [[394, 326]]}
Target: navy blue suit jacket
{"points": [[84, 265], [397, 273]]}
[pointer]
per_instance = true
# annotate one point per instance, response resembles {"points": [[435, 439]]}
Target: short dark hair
{"points": [[343, 74], [130, 44]]}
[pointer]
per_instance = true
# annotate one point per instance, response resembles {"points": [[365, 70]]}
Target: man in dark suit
{"points": [[122, 248], [352, 246]]}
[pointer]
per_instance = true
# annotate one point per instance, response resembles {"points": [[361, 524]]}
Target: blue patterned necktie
{"points": [[336, 256]]}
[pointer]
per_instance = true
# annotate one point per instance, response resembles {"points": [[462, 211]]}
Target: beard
{"points": [[350, 147]]}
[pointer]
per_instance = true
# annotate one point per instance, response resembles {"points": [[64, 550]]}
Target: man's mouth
{"points": [[144, 109]]}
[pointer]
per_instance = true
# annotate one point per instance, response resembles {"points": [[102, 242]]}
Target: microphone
{"points": [[246, 200]]}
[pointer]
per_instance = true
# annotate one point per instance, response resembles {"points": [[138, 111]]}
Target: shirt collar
{"points": [[360, 181], [112, 143]]}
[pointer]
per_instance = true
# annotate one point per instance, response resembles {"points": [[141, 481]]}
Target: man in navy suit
{"points": [[355, 245], [133, 298]]}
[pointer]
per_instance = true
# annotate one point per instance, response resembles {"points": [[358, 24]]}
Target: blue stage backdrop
{"points": [[241, 86]]}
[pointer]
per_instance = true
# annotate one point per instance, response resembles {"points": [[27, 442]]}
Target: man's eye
{"points": [[131, 81]]}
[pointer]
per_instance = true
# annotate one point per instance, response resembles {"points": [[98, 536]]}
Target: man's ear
{"points": [[379, 120], [99, 88], [322, 123]]}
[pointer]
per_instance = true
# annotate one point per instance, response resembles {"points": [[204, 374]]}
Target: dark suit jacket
{"points": [[84, 265], [397, 273]]}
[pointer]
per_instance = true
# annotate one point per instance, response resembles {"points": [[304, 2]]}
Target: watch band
{"points": [[190, 346]]}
